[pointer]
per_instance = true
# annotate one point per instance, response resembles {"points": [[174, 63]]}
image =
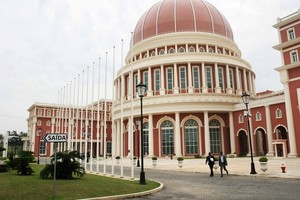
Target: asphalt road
{"points": [[197, 185], [191, 185]]}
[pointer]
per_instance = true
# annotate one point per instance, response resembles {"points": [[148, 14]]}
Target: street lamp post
{"points": [[246, 99], [38, 133], [138, 150], [141, 89]]}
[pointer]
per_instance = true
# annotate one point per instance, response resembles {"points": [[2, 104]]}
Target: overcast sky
{"points": [[45, 44]]}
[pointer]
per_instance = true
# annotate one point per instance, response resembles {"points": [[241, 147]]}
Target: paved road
{"points": [[194, 185], [198, 185]]}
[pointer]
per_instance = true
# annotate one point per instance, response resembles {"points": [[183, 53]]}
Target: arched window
{"points": [[48, 123], [258, 116], [278, 113], [172, 50], [146, 138], [241, 119], [210, 50], [161, 52], [167, 132], [191, 137], [181, 50], [152, 53], [191, 49], [219, 51], [201, 49], [214, 132], [39, 122]]}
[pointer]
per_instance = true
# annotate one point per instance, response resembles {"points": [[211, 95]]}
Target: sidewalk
{"points": [[236, 166]]}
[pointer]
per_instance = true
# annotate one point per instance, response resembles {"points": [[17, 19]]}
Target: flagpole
{"points": [[131, 107], [70, 139], [92, 120], [86, 119], [105, 117], [122, 104], [98, 115], [77, 114], [113, 132], [81, 115]]}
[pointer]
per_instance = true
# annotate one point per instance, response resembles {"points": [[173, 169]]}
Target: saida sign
{"points": [[55, 137]]}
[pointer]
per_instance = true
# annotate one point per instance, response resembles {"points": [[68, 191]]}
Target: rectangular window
{"points": [[170, 78], [294, 56], [196, 77], [182, 77], [221, 79], [231, 78], [157, 79], [208, 77], [42, 147], [291, 34], [145, 79], [48, 113]]}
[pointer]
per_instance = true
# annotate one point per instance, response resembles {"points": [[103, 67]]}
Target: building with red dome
{"points": [[184, 52]]}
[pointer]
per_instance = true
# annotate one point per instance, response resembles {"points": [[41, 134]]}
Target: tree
{"points": [[25, 157], [66, 166]]}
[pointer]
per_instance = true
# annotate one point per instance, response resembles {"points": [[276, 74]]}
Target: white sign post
{"points": [[55, 137]]}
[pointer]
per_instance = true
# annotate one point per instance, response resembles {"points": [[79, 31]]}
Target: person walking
{"points": [[222, 163], [210, 159]]}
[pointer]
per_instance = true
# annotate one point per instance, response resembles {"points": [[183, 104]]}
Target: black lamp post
{"points": [[38, 133], [141, 89], [246, 99], [138, 161]]}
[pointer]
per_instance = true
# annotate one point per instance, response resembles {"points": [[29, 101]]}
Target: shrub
{"points": [[263, 159], [3, 168], [66, 166], [180, 159]]}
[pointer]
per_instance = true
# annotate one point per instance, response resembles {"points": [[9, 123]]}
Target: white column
{"points": [[204, 86], [250, 82], [151, 141], [162, 80], [206, 133], [177, 135], [253, 84], [217, 87], [290, 121], [245, 80], [149, 91], [228, 87], [190, 87], [130, 136], [175, 79], [232, 136], [269, 131], [117, 140], [238, 81]]}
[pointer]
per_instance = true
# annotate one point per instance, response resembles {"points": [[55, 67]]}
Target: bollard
{"points": [[283, 167]]}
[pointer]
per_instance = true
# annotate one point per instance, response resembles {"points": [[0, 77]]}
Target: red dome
{"points": [[168, 16]]}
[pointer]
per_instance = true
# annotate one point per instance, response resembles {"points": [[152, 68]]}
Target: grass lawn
{"points": [[14, 186]]}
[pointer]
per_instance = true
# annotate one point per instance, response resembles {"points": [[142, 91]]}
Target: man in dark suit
{"points": [[222, 163], [210, 159]]}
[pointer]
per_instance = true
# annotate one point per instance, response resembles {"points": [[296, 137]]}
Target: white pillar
{"points": [[162, 80], [232, 136], [177, 135], [206, 133], [149, 91], [204, 86], [190, 87], [269, 131], [290, 121], [175, 79], [217, 87], [151, 140]]}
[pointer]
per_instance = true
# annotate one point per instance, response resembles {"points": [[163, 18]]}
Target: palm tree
{"points": [[66, 166]]}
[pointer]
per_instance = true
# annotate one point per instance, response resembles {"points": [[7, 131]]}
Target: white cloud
{"points": [[45, 44]]}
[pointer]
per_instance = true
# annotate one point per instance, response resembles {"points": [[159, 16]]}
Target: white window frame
{"points": [[241, 119], [278, 113], [161, 52], [171, 50], [258, 116], [221, 77], [181, 50], [291, 33], [169, 79], [231, 78], [146, 79], [192, 49], [201, 49], [196, 77], [209, 78], [183, 85], [294, 56], [157, 79]]}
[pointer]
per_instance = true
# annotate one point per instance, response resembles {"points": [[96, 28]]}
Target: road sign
{"points": [[55, 137]]}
